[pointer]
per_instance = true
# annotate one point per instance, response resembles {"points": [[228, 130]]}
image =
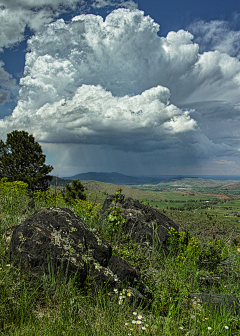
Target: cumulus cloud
{"points": [[39, 3], [94, 78], [68, 3], [104, 3], [16, 15], [219, 121], [7, 85], [93, 115], [11, 28], [14, 21], [116, 83], [216, 35], [4, 96]]}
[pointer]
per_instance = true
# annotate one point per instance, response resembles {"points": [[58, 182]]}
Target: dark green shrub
{"points": [[76, 191], [211, 255]]}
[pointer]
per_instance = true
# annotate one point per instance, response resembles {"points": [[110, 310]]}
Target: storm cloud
{"points": [[115, 85]]}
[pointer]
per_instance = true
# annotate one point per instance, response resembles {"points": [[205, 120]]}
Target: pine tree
{"points": [[74, 192], [21, 159]]}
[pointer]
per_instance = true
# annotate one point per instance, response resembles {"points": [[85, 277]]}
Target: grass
{"points": [[58, 307]]}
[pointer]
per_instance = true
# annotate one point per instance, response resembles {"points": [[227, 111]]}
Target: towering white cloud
{"points": [[116, 83], [93, 78]]}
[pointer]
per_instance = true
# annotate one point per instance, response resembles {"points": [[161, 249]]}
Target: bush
{"points": [[76, 191]]}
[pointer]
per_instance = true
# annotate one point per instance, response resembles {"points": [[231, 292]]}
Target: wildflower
{"points": [[192, 316], [146, 325], [134, 313], [126, 323], [138, 322], [226, 327], [209, 328], [7, 265], [181, 328], [115, 279], [133, 321], [115, 290], [139, 317], [128, 294], [143, 328]]}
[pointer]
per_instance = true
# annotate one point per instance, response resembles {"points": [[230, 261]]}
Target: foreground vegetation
{"points": [[58, 307], [201, 210]]}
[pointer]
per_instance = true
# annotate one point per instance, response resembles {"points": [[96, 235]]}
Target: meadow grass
{"points": [[58, 307]]}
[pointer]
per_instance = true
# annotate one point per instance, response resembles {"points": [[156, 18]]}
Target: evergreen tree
{"points": [[74, 192], [21, 159]]}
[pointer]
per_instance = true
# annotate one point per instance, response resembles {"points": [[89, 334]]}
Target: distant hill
{"points": [[121, 179], [59, 181], [231, 186], [114, 178]]}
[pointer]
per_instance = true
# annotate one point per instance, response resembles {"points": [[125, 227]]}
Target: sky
{"points": [[148, 87]]}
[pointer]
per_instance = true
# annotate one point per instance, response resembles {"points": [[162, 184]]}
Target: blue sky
{"points": [[138, 87]]}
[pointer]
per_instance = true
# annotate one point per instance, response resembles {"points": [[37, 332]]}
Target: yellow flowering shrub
{"points": [[11, 194], [86, 209], [184, 247], [12, 187]]}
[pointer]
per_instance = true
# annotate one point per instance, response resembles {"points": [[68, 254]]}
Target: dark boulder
{"points": [[143, 223], [58, 236]]}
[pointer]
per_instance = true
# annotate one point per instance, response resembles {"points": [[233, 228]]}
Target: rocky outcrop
{"points": [[143, 223], [217, 301], [58, 237]]}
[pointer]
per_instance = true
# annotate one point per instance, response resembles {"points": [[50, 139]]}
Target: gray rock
{"points": [[143, 223], [217, 301], [59, 236]]}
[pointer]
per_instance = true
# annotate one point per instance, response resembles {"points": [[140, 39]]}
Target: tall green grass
{"points": [[58, 307]]}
